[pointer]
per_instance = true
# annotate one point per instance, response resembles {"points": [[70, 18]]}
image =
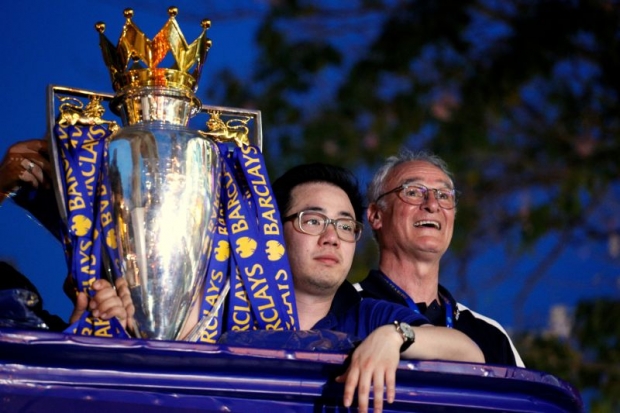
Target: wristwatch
{"points": [[407, 333]]}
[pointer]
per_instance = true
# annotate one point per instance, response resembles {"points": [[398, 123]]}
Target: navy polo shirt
{"points": [[358, 318]]}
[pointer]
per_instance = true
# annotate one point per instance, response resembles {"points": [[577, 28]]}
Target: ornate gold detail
{"points": [[73, 112], [134, 61], [231, 130]]}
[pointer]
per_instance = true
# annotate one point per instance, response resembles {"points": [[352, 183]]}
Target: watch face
{"points": [[407, 331]]}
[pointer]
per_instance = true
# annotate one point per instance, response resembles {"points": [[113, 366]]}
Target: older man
{"points": [[412, 206]]}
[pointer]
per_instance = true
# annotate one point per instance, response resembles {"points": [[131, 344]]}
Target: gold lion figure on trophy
{"points": [[227, 131], [73, 112]]}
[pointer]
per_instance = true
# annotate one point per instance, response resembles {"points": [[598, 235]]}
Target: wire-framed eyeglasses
{"points": [[415, 194], [315, 223]]}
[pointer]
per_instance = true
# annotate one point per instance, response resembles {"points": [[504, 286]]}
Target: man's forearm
{"points": [[441, 343]]}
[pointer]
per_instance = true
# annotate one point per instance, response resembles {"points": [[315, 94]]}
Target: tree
{"points": [[519, 97], [590, 359]]}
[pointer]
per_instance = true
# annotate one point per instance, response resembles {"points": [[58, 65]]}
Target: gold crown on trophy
{"points": [[134, 61]]}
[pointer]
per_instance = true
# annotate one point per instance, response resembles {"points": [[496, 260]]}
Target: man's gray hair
{"points": [[376, 186]]}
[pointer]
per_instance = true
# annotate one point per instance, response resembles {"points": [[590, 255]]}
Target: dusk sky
{"points": [[54, 42]]}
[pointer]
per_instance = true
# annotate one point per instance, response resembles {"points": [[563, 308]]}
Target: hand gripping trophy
{"points": [[147, 200]]}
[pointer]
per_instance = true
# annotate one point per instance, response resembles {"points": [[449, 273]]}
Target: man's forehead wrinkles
{"points": [[421, 180], [419, 170]]}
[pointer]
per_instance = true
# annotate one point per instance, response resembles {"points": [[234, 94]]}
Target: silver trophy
{"points": [[163, 175]]}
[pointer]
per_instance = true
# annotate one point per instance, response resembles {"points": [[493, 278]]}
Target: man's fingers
{"points": [[390, 386], [350, 378], [81, 303], [122, 289], [25, 177], [101, 284], [117, 311], [378, 391], [37, 145], [105, 307], [31, 173], [37, 172], [363, 391], [26, 162], [108, 308], [39, 166], [105, 297], [29, 169]]}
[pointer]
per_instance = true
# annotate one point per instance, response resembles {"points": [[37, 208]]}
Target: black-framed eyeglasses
{"points": [[415, 194], [315, 223]]}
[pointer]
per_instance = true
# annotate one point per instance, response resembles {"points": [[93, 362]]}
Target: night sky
{"points": [[54, 42]]}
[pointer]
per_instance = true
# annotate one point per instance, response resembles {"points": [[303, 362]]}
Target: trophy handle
{"points": [[68, 104], [233, 125]]}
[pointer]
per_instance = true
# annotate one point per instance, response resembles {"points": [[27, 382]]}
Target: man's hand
{"points": [[25, 164], [374, 362], [122, 289], [104, 305]]}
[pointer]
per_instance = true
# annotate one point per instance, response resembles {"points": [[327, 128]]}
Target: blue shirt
{"points": [[356, 317], [349, 320]]}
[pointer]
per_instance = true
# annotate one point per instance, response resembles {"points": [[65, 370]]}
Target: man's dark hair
{"points": [[318, 172]]}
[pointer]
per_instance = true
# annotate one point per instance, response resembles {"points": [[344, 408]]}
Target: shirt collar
{"points": [[345, 298], [377, 286]]}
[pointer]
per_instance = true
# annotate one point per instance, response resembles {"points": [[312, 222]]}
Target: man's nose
{"points": [[430, 201], [330, 235]]}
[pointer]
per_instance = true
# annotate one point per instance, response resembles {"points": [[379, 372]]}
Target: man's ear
{"points": [[374, 216]]}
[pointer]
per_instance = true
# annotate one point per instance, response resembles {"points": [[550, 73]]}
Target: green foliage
{"points": [[590, 360], [598, 330], [551, 355], [519, 97]]}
